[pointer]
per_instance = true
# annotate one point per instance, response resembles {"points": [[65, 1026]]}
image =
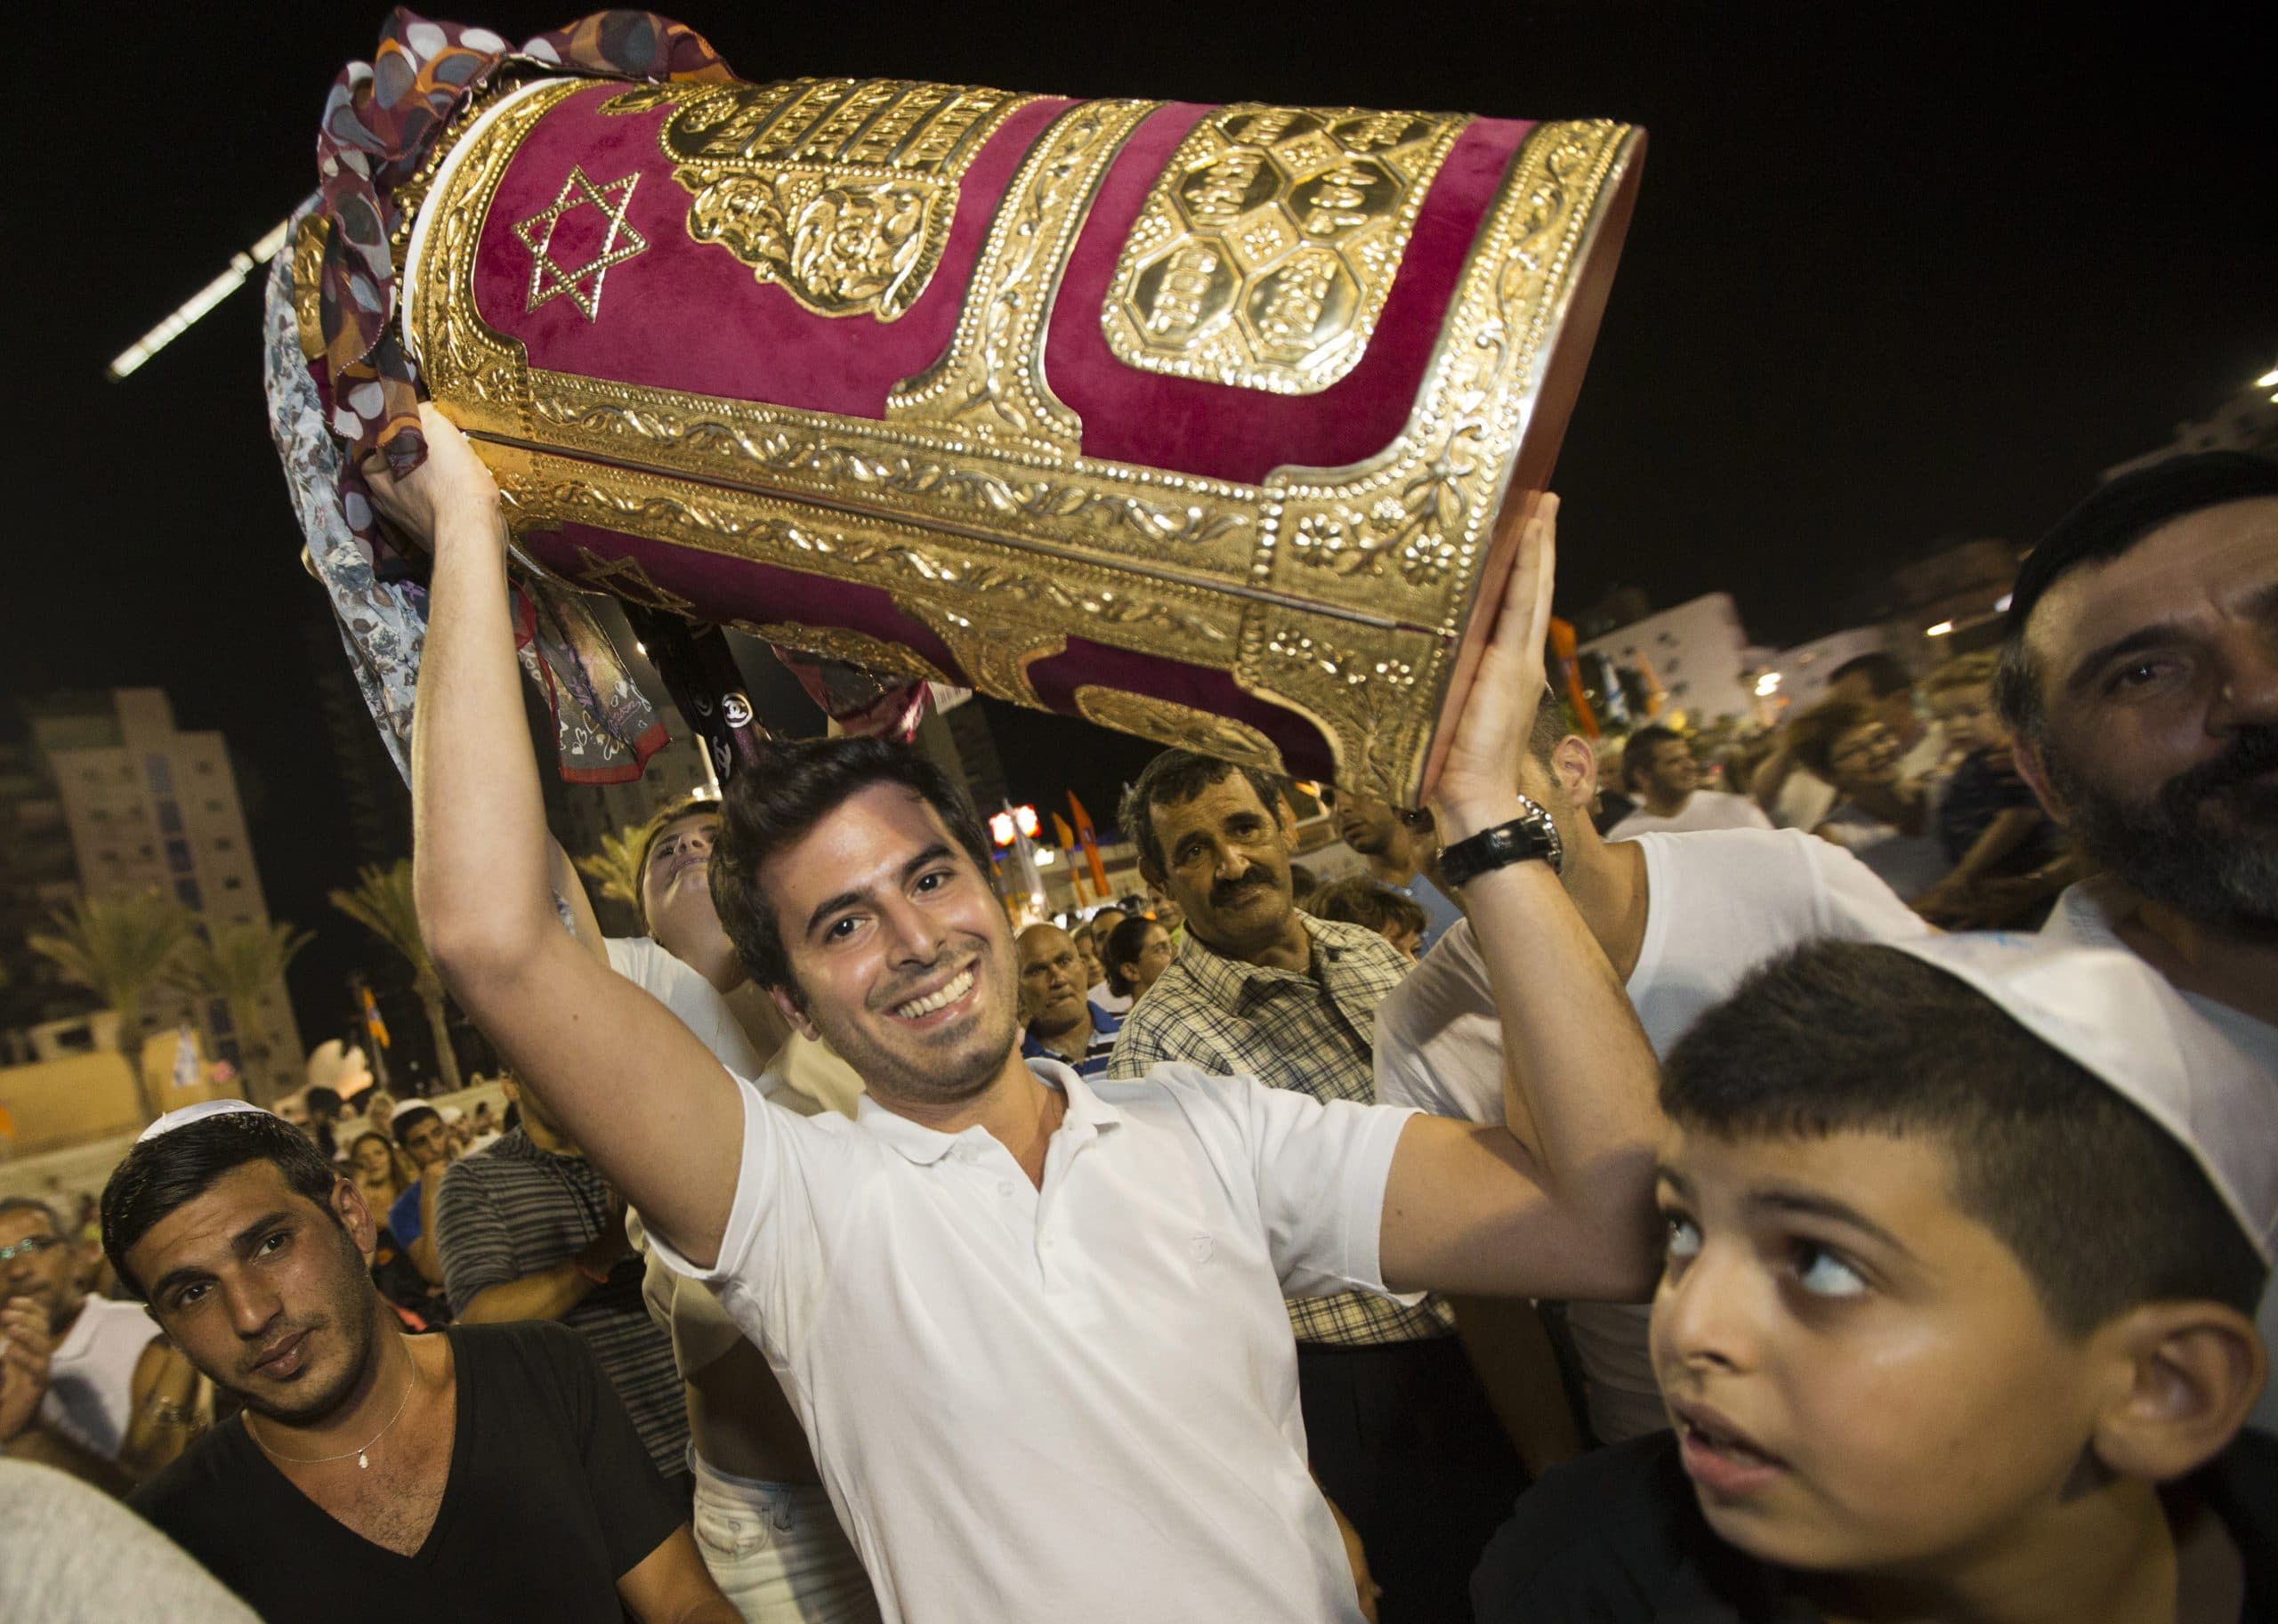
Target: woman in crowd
{"points": [[379, 1175], [1882, 818], [1138, 951]]}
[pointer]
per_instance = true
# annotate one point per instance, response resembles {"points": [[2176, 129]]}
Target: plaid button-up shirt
{"points": [[1314, 1032]]}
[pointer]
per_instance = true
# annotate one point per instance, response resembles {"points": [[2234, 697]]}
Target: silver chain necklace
{"points": [[362, 1464]]}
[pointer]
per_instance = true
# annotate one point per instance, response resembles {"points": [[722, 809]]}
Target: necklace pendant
{"points": [[362, 1464]]}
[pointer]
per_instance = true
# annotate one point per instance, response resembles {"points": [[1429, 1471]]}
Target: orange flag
{"points": [[1091, 844]]}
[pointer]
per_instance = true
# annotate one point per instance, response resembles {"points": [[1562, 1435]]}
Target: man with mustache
{"points": [[1403, 1437], [490, 1469], [2139, 675], [1033, 1323]]}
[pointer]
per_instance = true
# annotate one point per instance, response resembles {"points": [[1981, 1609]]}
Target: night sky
{"points": [[1888, 284]]}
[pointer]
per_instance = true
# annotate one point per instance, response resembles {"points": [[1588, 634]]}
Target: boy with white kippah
{"points": [[1965, 1238]]}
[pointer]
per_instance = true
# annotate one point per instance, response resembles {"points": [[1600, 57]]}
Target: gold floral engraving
{"points": [[996, 659], [550, 279], [916, 470], [992, 378], [308, 283], [839, 192], [1181, 726], [1265, 252], [872, 654]]}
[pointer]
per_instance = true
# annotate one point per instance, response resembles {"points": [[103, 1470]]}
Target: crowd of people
{"points": [[1835, 1180]]}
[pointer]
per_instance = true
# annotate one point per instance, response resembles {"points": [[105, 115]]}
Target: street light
{"points": [[2267, 379], [1941, 629], [205, 299]]}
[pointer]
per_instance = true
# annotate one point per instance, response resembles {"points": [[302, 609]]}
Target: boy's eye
{"points": [[1825, 1273], [1684, 1235]]}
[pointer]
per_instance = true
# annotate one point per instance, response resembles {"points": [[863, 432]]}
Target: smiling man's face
{"points": [[901, 955]]}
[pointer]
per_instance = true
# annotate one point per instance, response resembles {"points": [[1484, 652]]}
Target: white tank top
{"points": [[91, 1380]]}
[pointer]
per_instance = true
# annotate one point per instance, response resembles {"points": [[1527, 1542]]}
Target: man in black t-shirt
{"points": [[371, 1472]]}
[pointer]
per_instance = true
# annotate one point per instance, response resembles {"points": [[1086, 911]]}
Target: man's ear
{"points": [[1574, 769], [2186, 1375], [2033, 768], [355, 1217], [794, 1010]]}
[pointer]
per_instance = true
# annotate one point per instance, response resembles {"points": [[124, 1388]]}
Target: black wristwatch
{"points": [[1528, 835]]}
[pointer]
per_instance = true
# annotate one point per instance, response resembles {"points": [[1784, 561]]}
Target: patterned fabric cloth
{"points": [[1314, 1033], [514, 1210]]}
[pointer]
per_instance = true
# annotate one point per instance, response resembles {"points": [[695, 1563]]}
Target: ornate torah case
{"points": [[1192, 421]]}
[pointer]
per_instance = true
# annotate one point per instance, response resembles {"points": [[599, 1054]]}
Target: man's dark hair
{"points": [[2114, 518], [409, 1117], [32, 1203], [2104, 1209], [1173, 778], [323, 1103], [778, 802], [160, 1175], [1637, 754], [1358, 900], [1303, 883], [1885, 672]]}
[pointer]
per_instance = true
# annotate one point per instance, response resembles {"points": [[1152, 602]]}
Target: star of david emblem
{"points": [[550, 279], [624, 577]]}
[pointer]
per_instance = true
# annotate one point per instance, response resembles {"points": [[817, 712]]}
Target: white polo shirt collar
{"points": [[1087, 1114]]}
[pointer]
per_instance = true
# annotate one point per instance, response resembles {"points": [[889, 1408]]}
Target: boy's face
{"points": [[1860, 1375], [1968, 716]]}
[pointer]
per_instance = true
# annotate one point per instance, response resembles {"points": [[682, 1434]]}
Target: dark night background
{"points": [[1894, 279]]}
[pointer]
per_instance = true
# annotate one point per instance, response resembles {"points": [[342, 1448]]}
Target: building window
{"points": [[217, 1018], [230, 881], [160, 772], [187, 890], [169, 818], [213, 806], [205, 766], [223, 844], [178, 857]]}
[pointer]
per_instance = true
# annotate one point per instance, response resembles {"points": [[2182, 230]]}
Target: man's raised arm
{"points": [[1557, 1202], [653, 1108]]}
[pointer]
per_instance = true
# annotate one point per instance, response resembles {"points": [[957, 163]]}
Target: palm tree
{"points": [[616, 867], [238, 963], [119, 947], [382, 904]]}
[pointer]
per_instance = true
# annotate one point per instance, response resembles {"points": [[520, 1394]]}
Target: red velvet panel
{"points": [[728, 589], [1204, 428], [691, 316], [1304, 750]]}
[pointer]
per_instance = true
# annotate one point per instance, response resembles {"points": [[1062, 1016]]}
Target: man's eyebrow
{"points": [[242, 1243], [848, 899], [1780, 1199], [1665, 1174], [2084, 669]]}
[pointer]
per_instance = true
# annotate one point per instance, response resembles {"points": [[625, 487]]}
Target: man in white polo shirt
{"points": [[1684, 917], [1033, 1326]]}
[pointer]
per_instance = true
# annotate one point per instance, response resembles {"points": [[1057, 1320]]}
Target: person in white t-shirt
{"points": [[1658, 767], [1683, 919], [1033, 1325], [2139, 677], [117, 1391]]}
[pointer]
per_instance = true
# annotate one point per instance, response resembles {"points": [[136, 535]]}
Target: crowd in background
{"points": [[1645, 1187]]}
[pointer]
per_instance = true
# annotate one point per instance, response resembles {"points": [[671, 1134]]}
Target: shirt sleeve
{"points": [[1413, 1041], [471, 1239], [1855, 904], [695, 1001], [1321, 1170], [637, 1510], [403, 1217]]}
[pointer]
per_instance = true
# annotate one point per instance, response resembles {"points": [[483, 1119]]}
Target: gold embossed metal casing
{"points": [[1194, 422]]}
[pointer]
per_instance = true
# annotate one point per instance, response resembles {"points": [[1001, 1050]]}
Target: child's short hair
{"points": [[1812, 736], [2104, 1209], [1358, 900]]}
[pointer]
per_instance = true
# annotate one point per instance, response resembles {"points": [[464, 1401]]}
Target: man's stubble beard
{"points": [[2166, 850], [353, 1315], [934, 1078]]}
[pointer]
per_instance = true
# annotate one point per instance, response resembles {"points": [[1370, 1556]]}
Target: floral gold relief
{"points": [[1181, 726], [839, 192]]}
